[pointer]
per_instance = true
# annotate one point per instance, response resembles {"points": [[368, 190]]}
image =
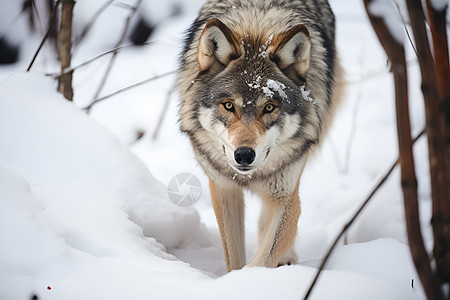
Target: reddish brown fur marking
{"points": [[245, 134]]}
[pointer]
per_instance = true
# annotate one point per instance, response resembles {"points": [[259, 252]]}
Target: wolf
{"points": [[259, 82]]}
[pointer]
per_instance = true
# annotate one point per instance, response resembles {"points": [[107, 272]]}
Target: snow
{"points": [[263, 48], [306, 94], [386, 10], [270, 88], [380, 264], [439, 4], [274, 86], [256, 83], [268, 92], [84, 207]]}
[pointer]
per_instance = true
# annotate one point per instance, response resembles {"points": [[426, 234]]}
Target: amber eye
{"points": [[229, 106], [268, 108]]}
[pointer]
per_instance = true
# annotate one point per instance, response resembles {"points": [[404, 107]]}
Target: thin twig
{"points": [[52, 19], [113, 58], [163, 112], [89, 107], [124, 5], [349, 223], [352, 133], [91, 22], [70, 70], [353, 124], [406, 28], [361, 78], [334, 152], [344, 167], [38, 16]]}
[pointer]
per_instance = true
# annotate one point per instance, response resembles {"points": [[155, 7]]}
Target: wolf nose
{"points": [[244, 155]]}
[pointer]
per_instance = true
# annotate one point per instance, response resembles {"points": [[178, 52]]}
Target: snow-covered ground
{"points": [[84, 209]]}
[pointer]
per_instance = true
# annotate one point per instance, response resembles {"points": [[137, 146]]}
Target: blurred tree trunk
{"points": [[65, 45], [436, 92], [438, 27], [396, 54]]}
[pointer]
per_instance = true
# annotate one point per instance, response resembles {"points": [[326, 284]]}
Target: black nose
{"points": [[244, 155]]}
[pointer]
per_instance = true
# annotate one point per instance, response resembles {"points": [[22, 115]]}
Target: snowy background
{"points": [[84, 211]]}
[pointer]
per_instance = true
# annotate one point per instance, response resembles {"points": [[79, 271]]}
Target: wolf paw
{"points": [[289, 258]]}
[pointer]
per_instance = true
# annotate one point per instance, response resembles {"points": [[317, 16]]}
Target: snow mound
{"points": [[82, 218], [70, 189]]}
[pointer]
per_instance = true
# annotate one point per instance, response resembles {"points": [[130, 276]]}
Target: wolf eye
{"points": [[229, 106], [268, 108]]}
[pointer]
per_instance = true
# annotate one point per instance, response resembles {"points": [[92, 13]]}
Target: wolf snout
{"points": [[244, 155]]}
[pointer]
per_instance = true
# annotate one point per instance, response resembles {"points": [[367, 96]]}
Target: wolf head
{"points": [[250, 101]]}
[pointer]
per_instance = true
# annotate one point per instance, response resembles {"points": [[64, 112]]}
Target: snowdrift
{"points": [[81, 217]]}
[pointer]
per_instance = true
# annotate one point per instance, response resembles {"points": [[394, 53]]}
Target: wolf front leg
{"points": [[277, 227], [289, 257], [228, 203]]}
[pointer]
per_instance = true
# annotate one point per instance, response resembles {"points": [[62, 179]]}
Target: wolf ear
{"points": [[291, 50], [217, 44]]}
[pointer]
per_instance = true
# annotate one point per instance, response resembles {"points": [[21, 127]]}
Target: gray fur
{"points": [[254, 22], [250, 54]]}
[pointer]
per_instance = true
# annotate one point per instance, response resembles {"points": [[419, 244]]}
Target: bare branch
{"points": [[396, 54], [406, 28], [441, 220], [163, 112], [89, 107], [339, 166], [52, 19], [352, 134], [125, 5], [70, 70], [432, 106], [38, 16], [352, 220], [91, 22], [119, 42], [360, 78]]}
